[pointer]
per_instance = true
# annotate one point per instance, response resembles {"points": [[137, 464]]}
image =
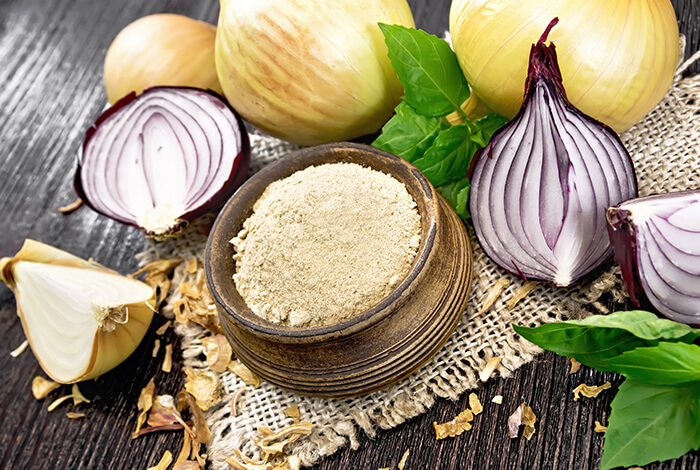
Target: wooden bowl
{"points": [[376, 348]]}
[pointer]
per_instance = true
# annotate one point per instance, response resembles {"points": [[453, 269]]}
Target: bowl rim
{"points": [[303, 158]]}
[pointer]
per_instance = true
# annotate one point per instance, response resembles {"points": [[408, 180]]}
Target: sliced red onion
{"points": [[162, 159], [540, 188], [657, 245]]}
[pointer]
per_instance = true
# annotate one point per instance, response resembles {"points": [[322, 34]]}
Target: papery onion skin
{"points": [[309, 72], [109, 348], [224, 169], [657, 245], [617, 58], [540, 188], [164, 49]]}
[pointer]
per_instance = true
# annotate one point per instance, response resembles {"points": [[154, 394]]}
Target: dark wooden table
{"points": [[51, 55]]}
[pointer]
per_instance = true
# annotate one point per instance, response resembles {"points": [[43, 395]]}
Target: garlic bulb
{"points": [[81, 319]]}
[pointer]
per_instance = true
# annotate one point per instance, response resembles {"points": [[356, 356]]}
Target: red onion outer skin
{"points": [[540, 188], [657, 245], [201, 199]]}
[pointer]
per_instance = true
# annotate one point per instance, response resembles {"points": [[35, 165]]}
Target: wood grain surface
{"points": [[51, 55]]}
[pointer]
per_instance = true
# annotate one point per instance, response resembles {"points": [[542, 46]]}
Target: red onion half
{"points": [[540, 188], [657, 245], [162, 159]]}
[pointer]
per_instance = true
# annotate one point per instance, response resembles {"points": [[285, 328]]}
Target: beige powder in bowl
{"points": [[325, 244]]}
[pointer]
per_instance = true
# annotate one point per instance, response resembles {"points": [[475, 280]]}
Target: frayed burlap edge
{"points": [[665, 147]]}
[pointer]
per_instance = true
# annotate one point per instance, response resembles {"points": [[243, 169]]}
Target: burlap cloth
{"points": [[665, 147]]}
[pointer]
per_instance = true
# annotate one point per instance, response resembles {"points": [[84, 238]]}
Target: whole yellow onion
{"points": [[161, 50], [312, 71], [617, 57]]}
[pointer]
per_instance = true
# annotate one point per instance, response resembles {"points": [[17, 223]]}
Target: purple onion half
{"points": [[159, 160], [540, 188], [657, 245]]}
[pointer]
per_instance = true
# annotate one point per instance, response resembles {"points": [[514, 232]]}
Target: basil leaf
{"points": [[488, 125], [449, 156], [665, 364], [641, 324], [596, 339], [428, 70], [408, 134], [457, 195], [589, 346], [649, 423]]}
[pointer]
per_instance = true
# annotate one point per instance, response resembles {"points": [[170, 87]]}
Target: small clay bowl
{"points": [[376, 348]]}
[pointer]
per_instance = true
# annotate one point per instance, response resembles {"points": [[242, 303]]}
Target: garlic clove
{"points": [[80, 319]]}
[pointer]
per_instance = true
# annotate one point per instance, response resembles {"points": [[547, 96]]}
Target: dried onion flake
{"points": [[523, 415], [474, 404], [462, 422], [19, 349], [242, 371], [402, 462], [68, 208], [493, 295], [234, 401], [521, 294], [164, 463], [144, 404], [41, 387], [591, 391], [204, 386], [167, 359], [490, 367], [575, 366], [218, 352]]}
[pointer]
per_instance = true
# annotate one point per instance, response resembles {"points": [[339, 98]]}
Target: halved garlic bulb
{"points": [[80, 318]]}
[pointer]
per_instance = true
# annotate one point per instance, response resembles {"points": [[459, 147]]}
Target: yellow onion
{"points": [[617, 57], [161, 50], [312, 71], [80, 318]]}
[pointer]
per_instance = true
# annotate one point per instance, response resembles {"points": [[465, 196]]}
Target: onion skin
{"points": [[312, 71], [88, 184], [161, 50], [617, 58], [657, 245], [540, 188]]}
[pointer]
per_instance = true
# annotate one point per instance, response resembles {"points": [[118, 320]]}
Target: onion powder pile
{"points": [[325, 244]]}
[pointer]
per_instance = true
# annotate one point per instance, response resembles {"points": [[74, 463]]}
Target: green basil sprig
{"points": [[656, 411], [651, 422], [434, 87]]}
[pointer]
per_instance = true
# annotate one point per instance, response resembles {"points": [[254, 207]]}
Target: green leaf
{"points": [[428, 70], [596, 339], [488, 125], [649, 423], [588, 345], [449, 156], [408, 134], [641, 324], [665, 364], [457, 195]]}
